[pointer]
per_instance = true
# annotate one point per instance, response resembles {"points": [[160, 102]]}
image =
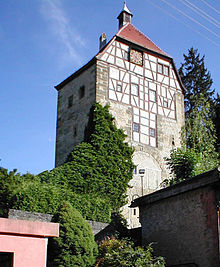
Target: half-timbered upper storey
{"points": [[138, 74], [145, 93], [143, 76]]}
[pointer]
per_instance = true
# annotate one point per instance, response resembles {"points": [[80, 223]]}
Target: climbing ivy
{"points": [[94, 179]]}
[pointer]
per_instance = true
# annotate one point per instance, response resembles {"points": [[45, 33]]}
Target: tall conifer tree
{"points": [[197, 81], [199, 129], [198, 155], [216, 120]]}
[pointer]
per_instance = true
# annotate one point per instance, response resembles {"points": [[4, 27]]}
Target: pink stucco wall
{"points": [[28, 251], [27, 240]]}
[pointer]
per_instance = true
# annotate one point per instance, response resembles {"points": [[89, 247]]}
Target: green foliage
{"points": [[186, 163], [216, 120], [199, 128], [198, 153], [94, 179], [75, 245], [122, 253], [182, 164], [30, 193], [196, 79], [9, 181], [104, 162]]}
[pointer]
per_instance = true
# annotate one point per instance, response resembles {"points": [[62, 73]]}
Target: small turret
{"points": [[102, 41], [125, 16]]}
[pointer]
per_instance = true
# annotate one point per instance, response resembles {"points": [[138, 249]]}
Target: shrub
{"points": [[75, 245], [181, 164], [184, 163], [122, 253]]}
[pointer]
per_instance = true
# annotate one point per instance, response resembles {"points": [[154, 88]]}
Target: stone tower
{"points": [[145, 93]]}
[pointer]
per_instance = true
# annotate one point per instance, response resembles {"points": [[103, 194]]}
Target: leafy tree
{"points": [[121, 253], [181, 164], [76, 245]]}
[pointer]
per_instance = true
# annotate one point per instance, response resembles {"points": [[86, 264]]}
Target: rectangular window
{"points": [[81, 92], [152, 132], [135, 170], [165, 103], [74, 131], [126, 55], [166, 70], [6, 259], [152, 95], [163, 69], [119, 88], [136, 127], [160, 68], [70, 101], [134, 89]]}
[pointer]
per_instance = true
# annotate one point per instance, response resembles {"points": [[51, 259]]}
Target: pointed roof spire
{"points": [[126, 9], [125, 16]]}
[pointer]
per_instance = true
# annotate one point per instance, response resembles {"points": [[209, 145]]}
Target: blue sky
{"points": [[44, 41]]}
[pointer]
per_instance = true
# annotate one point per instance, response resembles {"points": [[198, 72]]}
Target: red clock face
{"points": [[136, 57]]}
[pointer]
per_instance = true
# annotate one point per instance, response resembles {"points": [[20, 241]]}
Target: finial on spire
{"points": [[126, 8], [125, 16]]}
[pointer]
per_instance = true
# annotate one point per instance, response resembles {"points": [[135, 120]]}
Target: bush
{"points": [[184, 163], [75, 245], [122, 253], [31, 193], [181, 164]]}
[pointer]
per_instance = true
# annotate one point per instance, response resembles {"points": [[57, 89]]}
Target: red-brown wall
{"points": [[184, 228]]}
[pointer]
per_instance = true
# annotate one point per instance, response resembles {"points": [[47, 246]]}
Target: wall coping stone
{"points": [[205, 179], [28, 228], [29, 216]]}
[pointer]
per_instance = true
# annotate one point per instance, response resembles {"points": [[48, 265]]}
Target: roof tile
{"points": [[132, 34]]}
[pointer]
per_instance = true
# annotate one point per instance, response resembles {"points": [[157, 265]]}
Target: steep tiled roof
{"points": [[132, 34]]}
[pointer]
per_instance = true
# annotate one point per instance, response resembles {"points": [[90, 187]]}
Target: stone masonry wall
{"points": [[147, 157], [168, 129], [184, 228], [71, 121], [29, 216]]}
